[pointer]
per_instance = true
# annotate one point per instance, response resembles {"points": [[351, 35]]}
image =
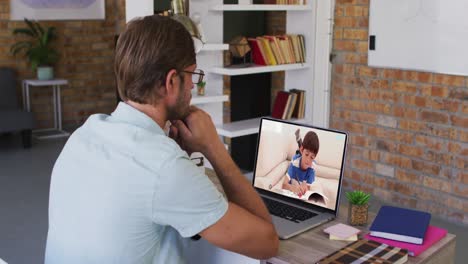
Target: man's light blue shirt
{"points": [[123, 192]]}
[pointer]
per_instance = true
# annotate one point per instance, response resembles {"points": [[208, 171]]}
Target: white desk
{"points": [[56, 84]]}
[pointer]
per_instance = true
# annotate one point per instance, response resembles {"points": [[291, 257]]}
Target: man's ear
{"points": [[171, 80], [301, 149]]}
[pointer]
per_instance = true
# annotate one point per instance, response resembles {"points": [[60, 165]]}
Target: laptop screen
{"points": [[300, 162]]}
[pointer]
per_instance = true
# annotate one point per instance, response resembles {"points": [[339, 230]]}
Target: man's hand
{"points": [[196, 133]]}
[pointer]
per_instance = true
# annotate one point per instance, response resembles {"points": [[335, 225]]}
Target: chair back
{"points": [[8, 97]]}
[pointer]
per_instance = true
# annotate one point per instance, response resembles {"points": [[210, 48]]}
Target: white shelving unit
{"points": [[209, 97], [261, 8], [214, 47], [258, 69], [314, 21], [244, 127]]}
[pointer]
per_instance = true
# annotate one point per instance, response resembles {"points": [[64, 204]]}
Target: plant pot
{"points": [[45, 73], [357, 214], [200, 89]]}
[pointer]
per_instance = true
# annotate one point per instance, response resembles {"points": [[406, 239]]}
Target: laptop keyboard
{"points": [[287, 212]]}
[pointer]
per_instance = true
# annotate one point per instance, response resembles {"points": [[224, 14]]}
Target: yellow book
{"points": [[351, 238], [268, 51]]}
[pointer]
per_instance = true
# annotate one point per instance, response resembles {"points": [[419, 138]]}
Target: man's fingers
{"points": [[173, 132], [182, 129]]}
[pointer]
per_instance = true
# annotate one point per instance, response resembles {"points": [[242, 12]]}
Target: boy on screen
{"points": [[301, 171]]}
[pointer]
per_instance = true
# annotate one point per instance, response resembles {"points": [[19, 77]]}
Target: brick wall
{"points": [[408, 129], [86, 49]]}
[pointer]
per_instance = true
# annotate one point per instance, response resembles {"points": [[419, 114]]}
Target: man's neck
{"points": [[156, 113]]}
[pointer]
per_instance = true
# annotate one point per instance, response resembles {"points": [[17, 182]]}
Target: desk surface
{"points": [[314, 244]]}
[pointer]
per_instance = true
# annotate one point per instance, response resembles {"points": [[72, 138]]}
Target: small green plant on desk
{"points": [[358, 207]]}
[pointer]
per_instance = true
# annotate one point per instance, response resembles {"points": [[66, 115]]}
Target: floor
{"points": [[24, 192]]}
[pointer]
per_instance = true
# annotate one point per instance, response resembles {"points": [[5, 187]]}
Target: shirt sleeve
{"points": [[185, 198], [310, 176]]}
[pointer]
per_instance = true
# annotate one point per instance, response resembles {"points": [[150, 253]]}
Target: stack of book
{"points": [[289, 105], [342, 232], [405, 228], [274, 50]]}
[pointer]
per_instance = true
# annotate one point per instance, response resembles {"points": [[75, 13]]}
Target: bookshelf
{"points": [[261, 8], [258, 69], [312, 20]]}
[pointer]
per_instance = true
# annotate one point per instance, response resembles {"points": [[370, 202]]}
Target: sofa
{"points": [[276, 149]]}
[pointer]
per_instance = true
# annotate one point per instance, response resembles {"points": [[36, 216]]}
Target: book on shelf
{"points": [[289, 105], [274, 50], [280, 104], [257, 55], [400, 224], [367, 251], [433, 235]]}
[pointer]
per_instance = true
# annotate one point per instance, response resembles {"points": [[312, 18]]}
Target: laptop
{"points": [[278, 155]]}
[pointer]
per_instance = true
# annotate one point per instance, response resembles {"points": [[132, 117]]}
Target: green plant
{"points": [[37, 49], [358, 197], [201, 84]]}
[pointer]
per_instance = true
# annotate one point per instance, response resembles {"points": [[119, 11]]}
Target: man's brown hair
{"points": [[146, 51], [311, 142]]}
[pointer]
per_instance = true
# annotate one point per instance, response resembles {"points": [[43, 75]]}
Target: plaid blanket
{"points": [[366, 251]]}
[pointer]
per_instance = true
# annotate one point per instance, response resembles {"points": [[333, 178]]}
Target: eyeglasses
{"points": [[197, 75]]}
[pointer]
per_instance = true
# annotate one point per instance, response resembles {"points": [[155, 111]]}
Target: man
{"points": [[124, 192]]}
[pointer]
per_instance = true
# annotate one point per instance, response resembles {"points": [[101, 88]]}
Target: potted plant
{"points": [[201, 88], [37, 48], [358, 207]]}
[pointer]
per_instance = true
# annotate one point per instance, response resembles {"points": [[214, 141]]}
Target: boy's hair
{"points": [[311, 142], [146, 51]]}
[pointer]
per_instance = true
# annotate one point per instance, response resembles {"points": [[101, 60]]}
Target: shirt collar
{"points": [[128, 114]]}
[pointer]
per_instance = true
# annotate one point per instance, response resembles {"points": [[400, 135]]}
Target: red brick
{"points": [[459, 121], [409, 177], [393, 74], [351, 22], [426, 167], [431, 90], [368, 71], [354, 127], [339, 11], [410, 150], [345, 45], [345, 69], [337, 33], [357, 11], [461, 190], [379, 84], [385, 145], [434, 117], [399, 187], [460, 94], [363, 165], [449, 80], [443, 105], [437, 184], [355, 34], [405, 112], [415, 100]]}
